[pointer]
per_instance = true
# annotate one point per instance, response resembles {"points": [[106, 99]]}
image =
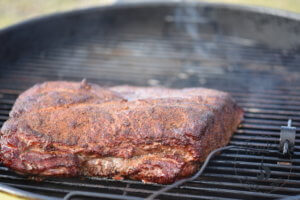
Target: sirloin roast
{"points": [[144, 133]]}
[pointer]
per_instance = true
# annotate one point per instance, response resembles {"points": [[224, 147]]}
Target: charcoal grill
{"points": [[252, 53]]}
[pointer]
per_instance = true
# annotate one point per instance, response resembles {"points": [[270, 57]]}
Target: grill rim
{"points": [[148, 3]]}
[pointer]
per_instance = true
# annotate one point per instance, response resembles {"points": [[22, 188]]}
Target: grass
{"points": [[289, 5], [14, 11]]}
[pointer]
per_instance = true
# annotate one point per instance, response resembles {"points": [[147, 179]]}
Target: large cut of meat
{"points": [[150, 134]]}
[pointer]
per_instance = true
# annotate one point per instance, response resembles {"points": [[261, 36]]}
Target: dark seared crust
{"points": [[150, 134]]}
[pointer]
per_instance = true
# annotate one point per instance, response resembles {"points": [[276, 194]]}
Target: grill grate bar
{"points": [[249, 178], [259, 126], [245, 99], [253, 144], [257, 164], [257, 132], [235, 192], [138, 76], [75, 63], [259, 138], [92, 67], [99, 183], [256, 138], [39, 189], [253, 172], [265, 111], [266, 96], [266, 158], [175, 51], [122, 52], [257, 92], [88, 185], [248, 186], [4, 112], [268, 106], [272, 122], [269, 116], [179, 39], [7, 101], [63, 191], [274, 99]]}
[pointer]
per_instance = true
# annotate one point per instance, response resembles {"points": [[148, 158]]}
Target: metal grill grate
{"points": [[264, 81]]}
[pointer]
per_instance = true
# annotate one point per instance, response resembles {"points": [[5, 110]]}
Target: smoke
{"points": [[188, 18], [213, 53]]}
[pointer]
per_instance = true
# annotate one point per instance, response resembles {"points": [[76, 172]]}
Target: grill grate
{"points": [[264, 81]]}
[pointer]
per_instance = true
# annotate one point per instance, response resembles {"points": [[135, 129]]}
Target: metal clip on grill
{"points": [[287, 138]]}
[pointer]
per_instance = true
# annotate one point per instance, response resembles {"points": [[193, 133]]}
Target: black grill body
{"points": [[251, 53]]}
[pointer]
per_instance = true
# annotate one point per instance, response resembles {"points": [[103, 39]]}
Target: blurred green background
{"points": [[14, 11]]}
